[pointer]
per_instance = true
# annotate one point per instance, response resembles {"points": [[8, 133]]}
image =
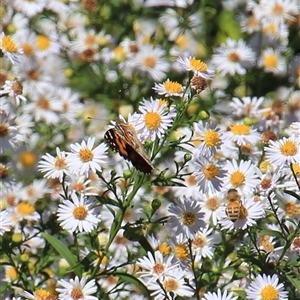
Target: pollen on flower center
{"points": [[44, 103], [210, 171], [86, 155], [8, 44], [212, 204], [80, 213], [199, 242], [25, 208], [237, 178], [171, 285], [12, 273], [212, 138], [76, 293], [158, 268], [43, 42], [269, 293], [164, 248], [188, 218], [173, 86], [234, 57], [266, 183], [198, 65], [291, 209], [42, 295], [240, 129], [288, 148], [3, 130], [181, 252], [152, 120], [277, 9], [150, 62], [271, 61], [27, 49], [60, 163]]}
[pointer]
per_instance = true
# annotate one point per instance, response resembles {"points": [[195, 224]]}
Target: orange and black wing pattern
{"points": [[123, 139]]}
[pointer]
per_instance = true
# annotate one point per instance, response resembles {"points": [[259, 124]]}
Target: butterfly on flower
{"points": [[123, 139]]}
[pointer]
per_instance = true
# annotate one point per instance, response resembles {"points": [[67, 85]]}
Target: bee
{"points": [[234, 209]]}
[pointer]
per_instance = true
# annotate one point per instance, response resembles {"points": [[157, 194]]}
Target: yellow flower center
{"points": [[277, 9], [182, 41], [188, 218], [27, 159], [80, 213], [212, 138], [270, 29], [266, 244], [43, 295], [269, 293], [237, 178], [25, 208], [289, 148], [271, 61], [60, 163], [119, 54], [158, 268], [264, 166], [164, 248], [86, 155], [12, 273], [43, 42], [8, 44], [198, 65], [240, 129], [77, 294], [27, 49], [150, 62], [90, 41], [173, 86], [152, 120], [296, 169], [291, 209], [210, 171], [181, 252], [170, 285], [212, 203]]}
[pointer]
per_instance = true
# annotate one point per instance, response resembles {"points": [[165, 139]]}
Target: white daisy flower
{"points": [[77, 215], [233, 58], [5, 222], [203, 244], [242, 134], [266, 287], [249, 212], [39, 294], [283, 152], [14, 89], [9, 138], [169, 88], [246, 106], [85, 157], [10, 49], [209, 174], [29, 8], [185, 217], [83, 289], [151, 60], [155, 267], [54, 167], [174, 285], [272, 62], [207, 139], [219, 295], [241, 176], [198, 67], [153, 120]]}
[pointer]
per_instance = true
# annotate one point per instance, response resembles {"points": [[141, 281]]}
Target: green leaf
{"points": [[63, 250], [271, 233], [130, 279], [295, 281]]}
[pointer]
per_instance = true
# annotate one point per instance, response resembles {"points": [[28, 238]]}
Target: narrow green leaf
{"points": [[63, 250], [130, 279], [271, 233], [295, 281]]}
